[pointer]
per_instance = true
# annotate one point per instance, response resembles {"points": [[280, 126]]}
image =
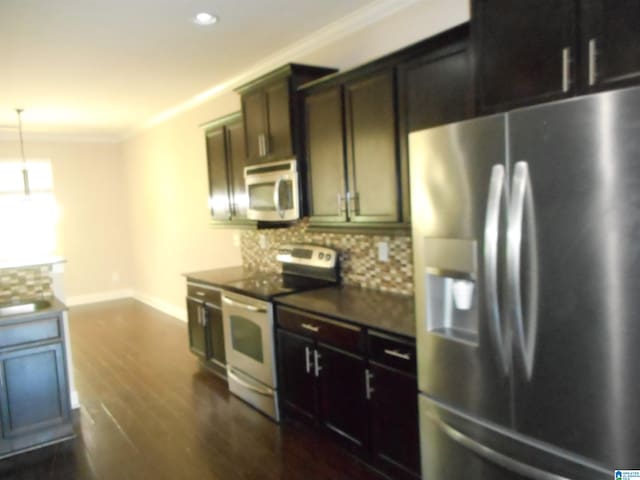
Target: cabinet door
{"points": [[253, 112], [372, 161], [278, 141], [395, 436], [434, 89], [325, 156], [611, 43], [343, 402], [35, 393], [218, 179], [526, 51], [236, 161], [215, 334], [298, 391], [197, 338]]}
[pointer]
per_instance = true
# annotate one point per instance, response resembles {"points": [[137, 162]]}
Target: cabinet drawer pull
{"points": [[397, 354], [311, 328], [200, 294]]}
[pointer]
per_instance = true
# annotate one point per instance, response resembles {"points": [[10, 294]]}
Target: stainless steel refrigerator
{"points": [[526, 235]]}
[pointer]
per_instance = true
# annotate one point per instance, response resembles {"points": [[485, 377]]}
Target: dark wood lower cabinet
{"points": [[298, 391], [343, 398], [366, 401], [206, 334], [197, 339], [395, 433]]}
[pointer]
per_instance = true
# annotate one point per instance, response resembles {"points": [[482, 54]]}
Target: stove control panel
{"points": [[309, 255]]}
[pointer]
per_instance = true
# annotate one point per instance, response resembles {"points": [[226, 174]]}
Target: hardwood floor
{"points": [[150, 412]]}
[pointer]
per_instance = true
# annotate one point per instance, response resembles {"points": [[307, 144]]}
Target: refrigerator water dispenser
{"points": [[450, 288]]}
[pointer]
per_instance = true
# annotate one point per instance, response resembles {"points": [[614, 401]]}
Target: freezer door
{"points": [[458, 194], [576, 355], [457, 446]]}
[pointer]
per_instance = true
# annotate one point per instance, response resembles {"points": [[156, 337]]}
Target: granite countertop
{"points": [[388, 312], [219, 277], [54, 306]]}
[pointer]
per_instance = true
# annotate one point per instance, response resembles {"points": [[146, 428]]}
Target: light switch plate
{"points": [[383, 251]]}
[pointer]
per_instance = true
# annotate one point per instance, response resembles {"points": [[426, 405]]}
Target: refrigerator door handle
{"points": [[491, 230], [495, 457], [521, 197]]}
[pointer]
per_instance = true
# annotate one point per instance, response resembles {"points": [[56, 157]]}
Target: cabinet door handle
{"points": [[316, 363], [397, 354], [566, 69], [367, 383], [310, 327], [342, 209], [205, 319], [355, 198], [307, 359], [592, 62]]}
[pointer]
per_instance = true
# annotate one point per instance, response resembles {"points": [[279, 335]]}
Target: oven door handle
{"points": [[267, 392], [251, 308], [276, 196]]}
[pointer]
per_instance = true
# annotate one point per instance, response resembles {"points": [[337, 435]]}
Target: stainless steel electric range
{"points": [[247, 311]]}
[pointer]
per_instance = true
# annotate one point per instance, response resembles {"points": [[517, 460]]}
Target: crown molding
{"points": [[353, 22]]}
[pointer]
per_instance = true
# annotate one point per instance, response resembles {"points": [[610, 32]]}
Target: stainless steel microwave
{"points": [[272, 191]]}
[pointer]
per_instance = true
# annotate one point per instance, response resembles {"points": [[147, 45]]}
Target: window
{"points": [[27, 223]]}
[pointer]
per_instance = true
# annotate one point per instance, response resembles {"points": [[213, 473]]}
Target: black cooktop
{"points": [[265, 286]]}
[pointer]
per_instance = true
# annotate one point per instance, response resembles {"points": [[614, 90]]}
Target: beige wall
{"points": [[93, 229], [166, 170]]}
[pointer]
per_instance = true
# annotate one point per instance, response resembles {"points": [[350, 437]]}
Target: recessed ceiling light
{"points": [[204, 18]]}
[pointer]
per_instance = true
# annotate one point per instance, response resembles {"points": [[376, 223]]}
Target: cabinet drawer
{"points": [[322, 329], [23, 333], [206, 294], [392, 351]]}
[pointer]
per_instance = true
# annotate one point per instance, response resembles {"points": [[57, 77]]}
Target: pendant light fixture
{"points": [[25, 172]]}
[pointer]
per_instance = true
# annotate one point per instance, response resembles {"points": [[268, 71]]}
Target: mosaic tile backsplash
{"points": [[24, 283], [359, 264]]}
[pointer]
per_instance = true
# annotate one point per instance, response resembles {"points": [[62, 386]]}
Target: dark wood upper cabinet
{"points": [[226, 159], [526, 51], [219, 204], [535, 51], [435, 87], [272, 112], [357, 124], [372, 160], [326, 188], [236, 161], [611, 43]]}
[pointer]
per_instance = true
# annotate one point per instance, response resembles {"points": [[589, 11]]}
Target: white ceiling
{"points": [[102, 68]]}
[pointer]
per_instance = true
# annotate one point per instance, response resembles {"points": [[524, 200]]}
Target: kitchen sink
{"points": [[8, 310]]}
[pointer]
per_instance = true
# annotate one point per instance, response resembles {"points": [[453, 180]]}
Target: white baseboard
{"points": [[73, 301], [165, 307]]}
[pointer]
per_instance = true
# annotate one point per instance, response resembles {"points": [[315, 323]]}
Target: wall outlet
{"points": [[115, 277], [383, 251], [236, 239], [262, 241]]}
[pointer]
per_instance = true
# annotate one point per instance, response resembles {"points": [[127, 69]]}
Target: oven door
{"points": [[248, 326], [272, 191]]}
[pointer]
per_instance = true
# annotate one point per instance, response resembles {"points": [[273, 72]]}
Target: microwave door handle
{"points": [[276, 197]]}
